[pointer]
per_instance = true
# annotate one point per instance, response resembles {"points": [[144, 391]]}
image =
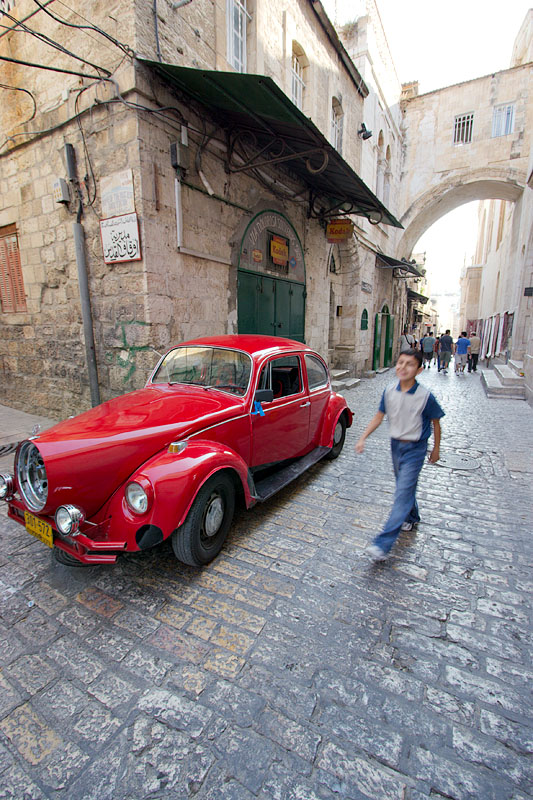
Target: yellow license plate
{"points": [[38, 528]]}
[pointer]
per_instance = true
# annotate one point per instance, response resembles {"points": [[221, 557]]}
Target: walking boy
{"points": [[411, 410]]}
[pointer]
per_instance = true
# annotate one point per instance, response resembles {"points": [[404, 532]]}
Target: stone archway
{"points": [[452, 193]]}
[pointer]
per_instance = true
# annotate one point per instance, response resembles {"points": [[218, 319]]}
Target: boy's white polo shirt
{"points": [[410, 413]]}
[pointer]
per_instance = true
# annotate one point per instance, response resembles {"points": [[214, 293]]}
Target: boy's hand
{"points": [[434, 456], [360, 446]]}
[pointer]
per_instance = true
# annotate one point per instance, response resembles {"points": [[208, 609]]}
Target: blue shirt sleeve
{"points": [[433, 409], [382, 404]]}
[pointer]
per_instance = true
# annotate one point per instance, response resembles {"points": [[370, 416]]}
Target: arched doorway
{"points": [[271, 278], [383, 338]]}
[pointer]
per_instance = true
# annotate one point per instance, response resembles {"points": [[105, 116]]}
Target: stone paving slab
{"points": [[291, 668]]}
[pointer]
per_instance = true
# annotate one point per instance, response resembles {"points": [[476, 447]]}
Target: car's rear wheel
{"points": [[203, 533], [339, 436]]}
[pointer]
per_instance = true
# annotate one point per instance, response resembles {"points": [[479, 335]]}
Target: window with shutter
{"points": [[12, 294]]}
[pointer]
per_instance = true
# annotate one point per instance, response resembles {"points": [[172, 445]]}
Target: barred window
{"points": [[12, 294], [237, 17], [337, 119], [503, 120], [298, 65], [462, 132], [364, 320]]}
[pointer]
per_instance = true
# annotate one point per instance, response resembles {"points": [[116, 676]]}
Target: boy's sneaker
{"points": [[407, 526], [376, 553]]}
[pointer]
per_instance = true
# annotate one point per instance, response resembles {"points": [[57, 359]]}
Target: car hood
{"points": [[89, 456]]}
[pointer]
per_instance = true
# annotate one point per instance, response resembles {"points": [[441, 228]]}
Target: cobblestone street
{"points": [[291, 668]]}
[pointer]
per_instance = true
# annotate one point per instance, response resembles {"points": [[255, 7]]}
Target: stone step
{"points": [[507, 376], [494, 389], [338, 386], [517, 366], [339, 374], [352, 382]]}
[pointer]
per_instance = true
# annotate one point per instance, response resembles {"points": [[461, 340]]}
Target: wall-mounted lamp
{"points": [[363, 132]]}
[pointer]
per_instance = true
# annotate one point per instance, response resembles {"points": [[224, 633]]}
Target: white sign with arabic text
{"points": [[120, 239]]}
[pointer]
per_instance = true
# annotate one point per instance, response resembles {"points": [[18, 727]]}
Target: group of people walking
{"points": [[440, 349]]}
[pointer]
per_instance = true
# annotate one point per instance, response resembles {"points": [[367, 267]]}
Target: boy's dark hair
{"points": [[415, 353], [463, 333]]}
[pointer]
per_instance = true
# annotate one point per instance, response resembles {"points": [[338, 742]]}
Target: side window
{"points": [[364, 320], [285, 377], [12, 294], [316, 372]]}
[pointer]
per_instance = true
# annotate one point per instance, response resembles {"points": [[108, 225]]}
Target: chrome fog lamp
{"points": [[7, 486], [136, 498], [68, 520]]}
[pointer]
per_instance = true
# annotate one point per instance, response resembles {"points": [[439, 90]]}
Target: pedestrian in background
{"points": [[407, 340], [436, 355], [475, 346], [446, 349], [462, 351], [411, 411], [428, 344]]}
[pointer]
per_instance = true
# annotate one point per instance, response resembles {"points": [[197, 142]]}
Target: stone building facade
{"points": [[120, 114]]}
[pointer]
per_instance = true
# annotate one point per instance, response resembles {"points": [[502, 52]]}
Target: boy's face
{"points": [[407, 367]]}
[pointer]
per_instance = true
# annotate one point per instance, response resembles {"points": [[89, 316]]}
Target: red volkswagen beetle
{"points": [[219, 417]]}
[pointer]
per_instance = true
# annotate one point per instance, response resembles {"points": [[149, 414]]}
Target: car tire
{"points": [[339, 436], [203, 533]]}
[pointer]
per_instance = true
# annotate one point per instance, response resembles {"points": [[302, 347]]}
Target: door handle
{"points": [[303, 405]]}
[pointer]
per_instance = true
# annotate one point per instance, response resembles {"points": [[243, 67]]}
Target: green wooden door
{"points": [[247, 290], [387, 361], [297, 317], [377, 342], [270, 306]]}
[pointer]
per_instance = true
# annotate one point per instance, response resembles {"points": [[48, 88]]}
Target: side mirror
{"points": [[264, 395]]}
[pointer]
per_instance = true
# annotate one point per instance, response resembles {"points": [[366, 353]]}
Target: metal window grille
{"points": [[463, 128], [364, 320], [337, 119], [237, 17], [503, 120], [12, 294], [298, 84]]}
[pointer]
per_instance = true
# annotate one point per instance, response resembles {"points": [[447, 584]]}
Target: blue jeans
{"points": [[407, 460]]}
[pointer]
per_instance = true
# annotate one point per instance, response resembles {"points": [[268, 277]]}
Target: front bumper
{"points": [[90, 546]]}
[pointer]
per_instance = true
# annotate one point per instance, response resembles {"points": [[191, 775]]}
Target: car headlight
{"points": [[68, 520], [137, 498], [7, 486]]}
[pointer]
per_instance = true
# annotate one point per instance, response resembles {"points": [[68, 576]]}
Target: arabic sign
{"points": [[120, 239], [339, 230], [116, 191]]}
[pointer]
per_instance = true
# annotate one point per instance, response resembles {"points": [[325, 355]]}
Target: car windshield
{"points": [[211, 367]]}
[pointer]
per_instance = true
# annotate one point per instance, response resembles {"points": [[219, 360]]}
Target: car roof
{"points": [[254, 344]]}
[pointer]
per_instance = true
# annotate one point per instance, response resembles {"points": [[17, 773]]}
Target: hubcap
{"points": [[214, 514], [337, 436]]}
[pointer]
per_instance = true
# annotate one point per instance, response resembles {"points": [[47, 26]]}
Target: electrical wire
{"points": [[124, 47], [47, 40], [27, 91]]}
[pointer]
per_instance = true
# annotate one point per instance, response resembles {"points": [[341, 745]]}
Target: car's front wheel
{"points": [[203, 533], [338, 438]]}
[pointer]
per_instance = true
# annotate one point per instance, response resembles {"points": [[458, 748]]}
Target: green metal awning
{"points": [[388, 262], [418, 298], [257, 111]]}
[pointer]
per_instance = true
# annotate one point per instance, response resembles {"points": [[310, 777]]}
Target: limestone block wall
{"points": [[42, 352]]}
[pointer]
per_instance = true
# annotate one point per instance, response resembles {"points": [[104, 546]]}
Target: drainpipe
{"points": [[83, 282]]}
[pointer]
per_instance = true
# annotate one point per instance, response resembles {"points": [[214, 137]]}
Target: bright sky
{"points": [[441, 43]]}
